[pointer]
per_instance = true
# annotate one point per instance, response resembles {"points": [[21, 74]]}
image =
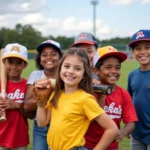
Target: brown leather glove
{"points": [[42, 94]]}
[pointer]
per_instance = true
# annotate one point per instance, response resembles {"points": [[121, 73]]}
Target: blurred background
{"points": [[29, 22]]}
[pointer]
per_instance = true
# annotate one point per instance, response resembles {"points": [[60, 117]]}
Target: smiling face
{"points": [[141, 52], [14, 67], [109, 71], [49, 58], [72, 71]]}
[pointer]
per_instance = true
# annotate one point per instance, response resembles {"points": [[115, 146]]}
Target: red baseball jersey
{"points": [[118, 105], [14, 131]]}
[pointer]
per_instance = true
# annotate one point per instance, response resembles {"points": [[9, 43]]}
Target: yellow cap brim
{"points": [[14, 55]]}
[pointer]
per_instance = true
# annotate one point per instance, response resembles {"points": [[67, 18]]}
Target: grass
{"points": [[126, 68]]}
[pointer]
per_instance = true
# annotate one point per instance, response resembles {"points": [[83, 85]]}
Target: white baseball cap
{"points": [[16, 50], [49, 43]]}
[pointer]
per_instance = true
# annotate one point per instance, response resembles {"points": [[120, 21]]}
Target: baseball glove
{"points": [[41, 95]]}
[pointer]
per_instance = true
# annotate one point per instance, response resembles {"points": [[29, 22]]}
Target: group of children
{"points": [[76, 118]]}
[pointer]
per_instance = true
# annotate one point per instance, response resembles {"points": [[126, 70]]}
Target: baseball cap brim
{"points": [[41, 46], [82, 42], [14, 55], [122, 56], [131, 44]]}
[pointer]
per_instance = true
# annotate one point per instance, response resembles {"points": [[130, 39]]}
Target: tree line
{"points": [[30, 37]]}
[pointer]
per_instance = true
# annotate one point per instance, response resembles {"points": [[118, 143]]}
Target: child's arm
{"points": [[30, 97], [101, 97], [30, 103], [129, 88], [101, 100], [30, 115], [6, 103], [128, 116], [42, 87], [11, 104], [42, 116], [110, 133], [128, 128]]}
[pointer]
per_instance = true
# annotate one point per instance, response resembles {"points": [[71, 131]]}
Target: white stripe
{"points": [[19, 101], [114, 116]]}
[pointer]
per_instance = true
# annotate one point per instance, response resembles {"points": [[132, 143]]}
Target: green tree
{"points": [[11, 36]]}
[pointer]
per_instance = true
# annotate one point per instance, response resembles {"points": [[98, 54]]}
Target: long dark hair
{"points": [[85, 84]]}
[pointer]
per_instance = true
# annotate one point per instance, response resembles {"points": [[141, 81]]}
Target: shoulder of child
{"points": [[133, 72], [124, 93], [35, 75], [24, 80], [37, 72], [87, 96]]}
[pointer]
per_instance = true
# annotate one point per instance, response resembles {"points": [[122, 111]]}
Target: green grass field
{"points": [[126, 68]]}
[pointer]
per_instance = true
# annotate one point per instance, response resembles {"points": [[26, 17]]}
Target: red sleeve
{"points": [[129, 113]]}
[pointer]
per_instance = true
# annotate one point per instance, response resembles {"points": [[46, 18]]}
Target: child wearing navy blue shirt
{"points": [[139, 89]]}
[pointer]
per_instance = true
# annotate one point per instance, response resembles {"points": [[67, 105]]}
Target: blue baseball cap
{"points": [[85, 38], [47, 43], [141, 35]]}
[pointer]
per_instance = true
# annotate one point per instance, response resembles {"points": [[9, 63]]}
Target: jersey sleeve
{"points": [[129, 113], [91, 108], [32, 78]]}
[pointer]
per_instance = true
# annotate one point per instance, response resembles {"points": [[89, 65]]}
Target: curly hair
{"points": [[38, 59]]}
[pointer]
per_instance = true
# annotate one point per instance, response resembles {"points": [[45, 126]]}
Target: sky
{"points": [[114, 18]]}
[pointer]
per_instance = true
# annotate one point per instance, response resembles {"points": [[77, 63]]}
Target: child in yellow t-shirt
{"points": [[72, 107]]}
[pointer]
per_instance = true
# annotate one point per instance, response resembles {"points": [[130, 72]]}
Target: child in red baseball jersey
{"points": [[118, 105], [14, 131]]}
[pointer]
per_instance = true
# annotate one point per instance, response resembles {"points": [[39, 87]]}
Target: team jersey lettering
{"points": [[16, 95], [112, 111]]}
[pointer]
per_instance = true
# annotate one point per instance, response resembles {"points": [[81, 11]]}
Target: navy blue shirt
{"points": [[139, 89]]}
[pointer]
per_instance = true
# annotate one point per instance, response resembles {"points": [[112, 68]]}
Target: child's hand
{"points": [[10, 104], [96, 82], [101, 97], [3, 103], [120, 136], [42, 92], [34, 97], [128, 136], [43, 83], [1, 112]]}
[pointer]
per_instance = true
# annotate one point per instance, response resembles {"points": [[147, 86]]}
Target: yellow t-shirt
{"points": [[71, 119]]}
